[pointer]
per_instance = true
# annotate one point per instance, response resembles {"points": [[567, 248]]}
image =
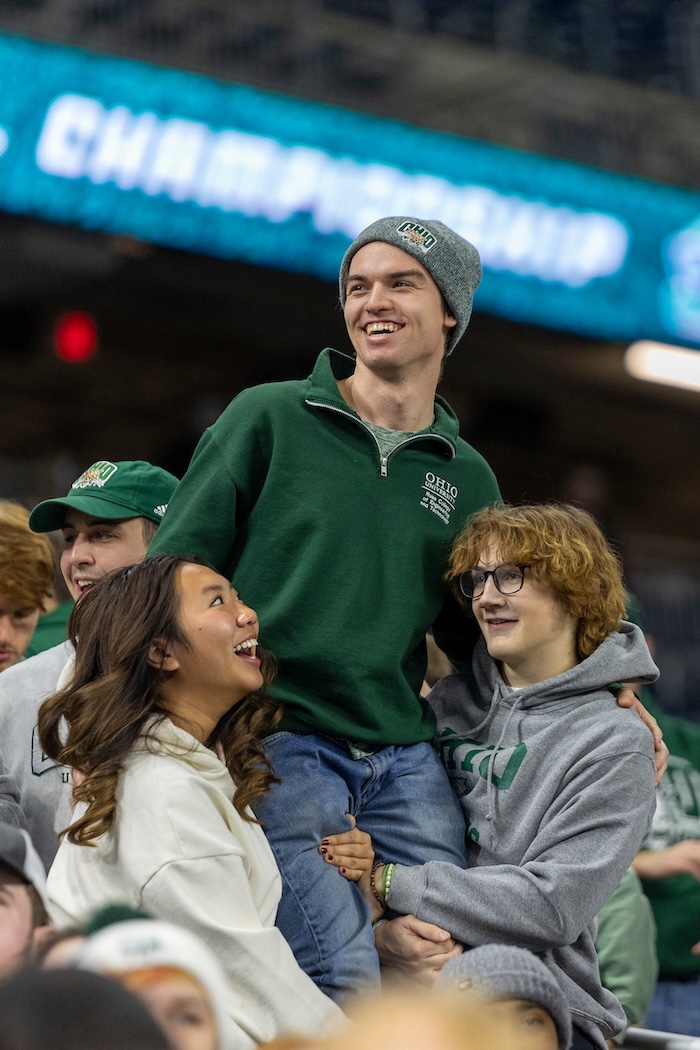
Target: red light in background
{"points": [[75, 337]]}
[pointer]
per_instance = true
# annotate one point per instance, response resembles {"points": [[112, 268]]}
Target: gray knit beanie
{"points": [[452, 262], [500, 971]]}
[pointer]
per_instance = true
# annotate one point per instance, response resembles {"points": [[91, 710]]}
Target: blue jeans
{"points": [[675, 1007], [400, 795]]}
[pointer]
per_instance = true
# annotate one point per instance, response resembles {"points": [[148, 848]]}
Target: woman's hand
{"points": [[350, 852], [414, 948]]}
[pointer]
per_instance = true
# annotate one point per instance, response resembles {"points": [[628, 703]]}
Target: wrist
{"points": [[380, 882], [387, 877]]}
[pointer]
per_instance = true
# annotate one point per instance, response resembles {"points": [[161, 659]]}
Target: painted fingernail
{"points": [[323, 850], [341, 870], [330, 856], [325, 842]]}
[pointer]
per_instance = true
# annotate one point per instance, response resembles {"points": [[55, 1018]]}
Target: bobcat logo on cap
{"points": [[96, 475], [417, 235]]}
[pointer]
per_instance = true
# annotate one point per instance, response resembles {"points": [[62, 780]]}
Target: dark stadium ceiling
{"points": [[614, 83], [537, 75], [185, 325]]}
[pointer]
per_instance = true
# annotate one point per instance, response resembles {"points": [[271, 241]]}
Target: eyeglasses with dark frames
{"points": [[507, 578]]}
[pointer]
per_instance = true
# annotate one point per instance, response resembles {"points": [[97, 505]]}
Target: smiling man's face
{"points": [[394, 312], [92, 547]]}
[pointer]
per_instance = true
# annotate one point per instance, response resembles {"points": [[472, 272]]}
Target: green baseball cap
{"points": [[127, 489]]}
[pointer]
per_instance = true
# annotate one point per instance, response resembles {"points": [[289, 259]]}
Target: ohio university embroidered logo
{"points": [[439, 496]]}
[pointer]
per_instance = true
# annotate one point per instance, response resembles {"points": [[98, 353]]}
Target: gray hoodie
{"points": [[557, 786], [34, 790]]}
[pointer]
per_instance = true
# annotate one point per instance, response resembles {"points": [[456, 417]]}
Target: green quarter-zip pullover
{"points": [[340, 550]]}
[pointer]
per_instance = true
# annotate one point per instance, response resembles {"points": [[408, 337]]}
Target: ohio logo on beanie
{"points": [[418, 235]]}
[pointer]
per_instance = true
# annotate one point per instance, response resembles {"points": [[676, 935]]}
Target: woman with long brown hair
{"points": [[164, 718]]}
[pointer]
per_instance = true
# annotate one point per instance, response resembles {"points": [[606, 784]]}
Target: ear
{"points": [[449, 321], [161, 656]]}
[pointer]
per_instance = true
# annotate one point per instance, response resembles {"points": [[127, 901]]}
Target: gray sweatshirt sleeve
{"points": [[578, 855], [10, 809]]}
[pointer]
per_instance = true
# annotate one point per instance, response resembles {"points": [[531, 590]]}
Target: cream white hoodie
{"points": [[179, 850]]}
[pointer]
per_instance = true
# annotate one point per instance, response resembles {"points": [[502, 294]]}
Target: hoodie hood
{"points": [[480, 713], [160, 736], [622, 657]]}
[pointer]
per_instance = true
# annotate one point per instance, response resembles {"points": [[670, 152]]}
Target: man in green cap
{"points": [[108, 518]]}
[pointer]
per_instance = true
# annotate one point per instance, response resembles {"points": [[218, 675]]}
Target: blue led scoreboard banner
{"points": [[190, 162]]}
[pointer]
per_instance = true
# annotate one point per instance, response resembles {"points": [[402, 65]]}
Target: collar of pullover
{"points": [[333, 365]]}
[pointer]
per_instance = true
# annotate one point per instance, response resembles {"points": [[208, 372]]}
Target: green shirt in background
{"points": [[676, 900], [626, 947], [52, 629]]}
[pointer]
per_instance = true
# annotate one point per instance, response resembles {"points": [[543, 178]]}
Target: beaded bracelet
{"points": [[373, 885], [387, 876]]}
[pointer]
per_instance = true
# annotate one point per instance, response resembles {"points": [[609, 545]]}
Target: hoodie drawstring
{"points": [[490, 788]]}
